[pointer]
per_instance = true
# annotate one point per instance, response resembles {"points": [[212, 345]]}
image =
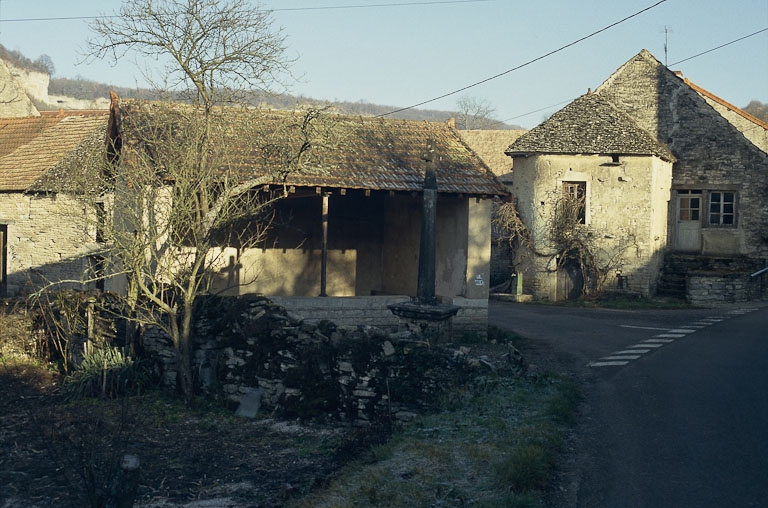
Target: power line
{"points": [[529, 62], [720, 46], [331, 7], [675, 63], [286, 9]]}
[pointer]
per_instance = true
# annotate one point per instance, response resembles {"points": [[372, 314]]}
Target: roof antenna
{"points": [[666, 43]]}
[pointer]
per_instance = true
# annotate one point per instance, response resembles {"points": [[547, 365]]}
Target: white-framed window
{"points": [[722, 208], [576, 195]]}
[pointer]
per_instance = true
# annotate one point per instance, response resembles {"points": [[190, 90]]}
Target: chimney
{"points": [[451, 123]]}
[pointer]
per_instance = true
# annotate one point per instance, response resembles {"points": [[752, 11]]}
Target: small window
{"points": [[575, 194], [101, 222], [722, 208]]}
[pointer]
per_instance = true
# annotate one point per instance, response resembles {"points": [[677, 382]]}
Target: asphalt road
{"points": [[676, 403]]}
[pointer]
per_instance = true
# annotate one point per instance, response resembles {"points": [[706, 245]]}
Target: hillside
{"points": [[49, 93], [88, 90]]}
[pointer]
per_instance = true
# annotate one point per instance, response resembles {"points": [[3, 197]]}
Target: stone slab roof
{"points": [[589, 125], [490, 146], [31, 146], [358, 152]]}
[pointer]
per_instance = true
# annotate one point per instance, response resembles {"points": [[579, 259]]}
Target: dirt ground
{"points": [[55, 454]]}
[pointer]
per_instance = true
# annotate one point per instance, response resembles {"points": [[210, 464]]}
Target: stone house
{"points": [[619, 176], [353, 221], [45, 235], [699, 194]]}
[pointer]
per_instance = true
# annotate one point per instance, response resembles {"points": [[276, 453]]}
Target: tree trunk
{"points": [[181, 338]]}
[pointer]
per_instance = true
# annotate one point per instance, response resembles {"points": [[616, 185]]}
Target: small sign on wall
{"points": [[479, 280]]}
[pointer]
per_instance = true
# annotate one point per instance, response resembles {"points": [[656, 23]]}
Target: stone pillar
{"points": [[425, 292]]}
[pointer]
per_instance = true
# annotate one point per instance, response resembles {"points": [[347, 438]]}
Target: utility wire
{"points": [[330, 7], [318, 8], [720, 46], [675, 63], [529, 62]]}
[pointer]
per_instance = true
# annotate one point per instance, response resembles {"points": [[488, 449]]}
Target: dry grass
{"points": [[496, 450]]}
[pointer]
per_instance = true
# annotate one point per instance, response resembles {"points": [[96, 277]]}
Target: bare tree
{"points": [[212, 49], [475, 113], [45, 62], [184, 184]]}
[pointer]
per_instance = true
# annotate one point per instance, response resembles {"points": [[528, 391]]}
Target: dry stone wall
{"points": [[251, 347]]}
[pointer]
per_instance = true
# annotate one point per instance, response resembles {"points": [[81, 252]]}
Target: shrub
{"points": [[107, 373]]}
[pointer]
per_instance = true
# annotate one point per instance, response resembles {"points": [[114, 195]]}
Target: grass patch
{"points": [[495, 449]]}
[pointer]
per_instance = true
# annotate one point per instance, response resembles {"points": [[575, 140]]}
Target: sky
{"points": [[379, 52]]}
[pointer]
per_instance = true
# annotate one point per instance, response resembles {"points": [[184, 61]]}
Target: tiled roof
{"points": [[355, 152], [30, 147], [589, 125]]}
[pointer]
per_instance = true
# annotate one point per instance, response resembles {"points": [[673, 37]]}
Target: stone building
{"points": [[710, 211], [353, 216], [45, 235], [617, 176]]}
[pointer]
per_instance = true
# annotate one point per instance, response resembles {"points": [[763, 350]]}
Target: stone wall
{"points": [[311, 368], [625, 216], [355, 311], [49, 239], [350, 311], [712, 153], [708, 290]]}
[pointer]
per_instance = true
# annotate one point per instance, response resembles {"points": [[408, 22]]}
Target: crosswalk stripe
{"points": [[605, 364]]}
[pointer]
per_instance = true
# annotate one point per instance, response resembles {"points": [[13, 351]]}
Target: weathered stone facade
{"points": [[712, 203], [625, 207], [620, 176], [49, 238], [713, 154]]}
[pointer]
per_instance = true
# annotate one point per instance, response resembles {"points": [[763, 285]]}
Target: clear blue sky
{"points": [[403, 55]]}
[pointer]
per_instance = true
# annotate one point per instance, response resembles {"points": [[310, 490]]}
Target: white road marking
{"points": [[605, 364], [621, 357], [644, 327], [634, 352]]}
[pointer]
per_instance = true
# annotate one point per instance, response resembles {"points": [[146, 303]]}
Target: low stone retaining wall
{"points": [[708, 289], [354, 311], [351, 311]]}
